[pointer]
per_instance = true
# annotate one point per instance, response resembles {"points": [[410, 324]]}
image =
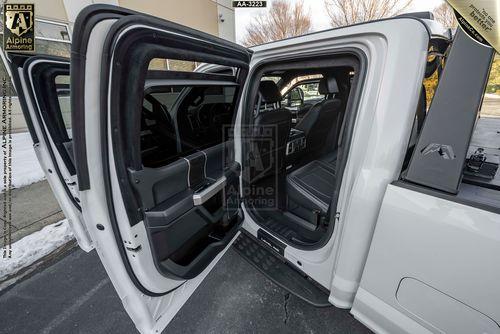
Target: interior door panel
{"points": [[155, 185], [187, 234]]}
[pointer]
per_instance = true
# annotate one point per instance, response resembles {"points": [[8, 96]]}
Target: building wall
{"points": [[201, 15], [215, 17], [51, 9], [225, 14]]}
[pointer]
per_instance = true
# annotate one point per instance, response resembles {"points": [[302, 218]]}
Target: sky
{"points": [[243, 16]]}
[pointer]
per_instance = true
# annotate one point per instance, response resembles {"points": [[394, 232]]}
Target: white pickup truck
{"points": [[368, 199]]}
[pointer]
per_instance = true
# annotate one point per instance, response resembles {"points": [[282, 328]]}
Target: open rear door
{"points": [[154, 153], [42, 83]]}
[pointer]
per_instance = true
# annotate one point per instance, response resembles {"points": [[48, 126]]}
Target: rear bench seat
{"points": [[310, 188]]}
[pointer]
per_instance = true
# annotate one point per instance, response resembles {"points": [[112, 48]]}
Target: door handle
{"points": [[201, 197]]}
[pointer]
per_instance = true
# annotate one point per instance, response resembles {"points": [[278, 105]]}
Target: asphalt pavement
{"points": [[33, 207], [74, 295]]}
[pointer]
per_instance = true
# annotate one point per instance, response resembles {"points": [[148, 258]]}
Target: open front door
{"points": [[42, 83], [154, 153]]}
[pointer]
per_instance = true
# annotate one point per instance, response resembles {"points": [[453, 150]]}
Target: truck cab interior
{"points": [[295, 133], [290, 171], [186, 147]]}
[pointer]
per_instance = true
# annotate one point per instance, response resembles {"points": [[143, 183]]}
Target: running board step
{"points": [[278, 270]]}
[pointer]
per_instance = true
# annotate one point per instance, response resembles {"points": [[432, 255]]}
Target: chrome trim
{"points": [[209, 192]]}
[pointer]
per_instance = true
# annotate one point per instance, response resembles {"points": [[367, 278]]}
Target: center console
{"points": [[296, 143]]}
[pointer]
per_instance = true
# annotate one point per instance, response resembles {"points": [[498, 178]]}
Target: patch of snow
{"points": [[25, 167], [35, 246]]}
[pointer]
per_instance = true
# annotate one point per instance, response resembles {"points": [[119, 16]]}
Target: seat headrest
{"points": [[270, 92], [328, 86]]}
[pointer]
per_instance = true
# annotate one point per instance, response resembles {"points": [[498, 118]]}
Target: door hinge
{"points": [[136, 249]]}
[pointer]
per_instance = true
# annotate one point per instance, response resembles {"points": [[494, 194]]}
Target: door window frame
{"points": [[322, 59]]}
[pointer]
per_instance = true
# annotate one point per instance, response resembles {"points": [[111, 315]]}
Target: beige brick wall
{"points": [[197, 14]]}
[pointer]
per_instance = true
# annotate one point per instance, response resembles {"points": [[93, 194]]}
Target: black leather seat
{"points": [[270, 132], [322, 118], [310, 188], [330, 160]]}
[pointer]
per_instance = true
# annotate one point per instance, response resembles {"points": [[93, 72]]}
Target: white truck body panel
{"points": [[395, 53], [432, 266]]}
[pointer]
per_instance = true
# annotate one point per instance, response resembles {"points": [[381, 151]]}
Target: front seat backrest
{"points": [[322, 117], [270, 132]]}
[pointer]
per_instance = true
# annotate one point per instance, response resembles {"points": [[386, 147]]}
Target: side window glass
{"points": [[168, 96], [302, 92], [178, 120], [160, 64], [296, 97], [311, 91], [203, 117], [63, 96]]}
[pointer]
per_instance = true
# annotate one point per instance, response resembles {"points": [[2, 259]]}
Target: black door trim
{"points": [[18, 61]]}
